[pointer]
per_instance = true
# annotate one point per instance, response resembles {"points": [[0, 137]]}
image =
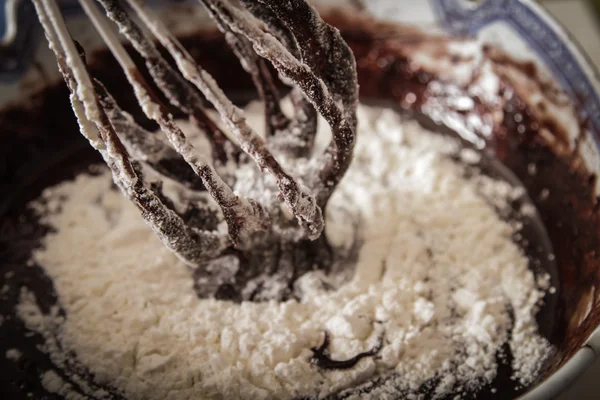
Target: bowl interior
{"points": [[47, 148]]}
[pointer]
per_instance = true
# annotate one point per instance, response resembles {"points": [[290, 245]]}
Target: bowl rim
{"points": [[467, 18], [567, 375]]}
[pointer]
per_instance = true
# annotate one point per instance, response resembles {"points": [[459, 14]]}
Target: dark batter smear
{"points": [[322, 359]]}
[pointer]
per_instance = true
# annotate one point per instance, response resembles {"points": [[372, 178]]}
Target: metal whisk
{"points": [[307, 53]]}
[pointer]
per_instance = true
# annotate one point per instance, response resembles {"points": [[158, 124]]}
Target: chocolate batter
{"points": [[40, 145]]}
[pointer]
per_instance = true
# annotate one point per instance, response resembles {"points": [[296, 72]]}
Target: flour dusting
{"points": [[438, 277], [13, 354]]}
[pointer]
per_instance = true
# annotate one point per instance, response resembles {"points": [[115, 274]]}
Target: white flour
{"points": [[13, 354], [438, 275]]}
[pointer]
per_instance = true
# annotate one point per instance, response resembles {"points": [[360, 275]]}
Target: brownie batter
{"points": [[40, 145]]}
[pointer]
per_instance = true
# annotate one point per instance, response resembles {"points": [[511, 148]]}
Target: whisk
{"points": [[308, 55]]}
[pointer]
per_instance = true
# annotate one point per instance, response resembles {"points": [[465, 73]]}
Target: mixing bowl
{"points": [[522, 29]]}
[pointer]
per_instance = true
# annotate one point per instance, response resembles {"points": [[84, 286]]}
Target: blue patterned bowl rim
{"points": [[577, 76]]}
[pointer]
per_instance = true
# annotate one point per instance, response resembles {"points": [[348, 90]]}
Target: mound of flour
{"points": [[437, 275]]}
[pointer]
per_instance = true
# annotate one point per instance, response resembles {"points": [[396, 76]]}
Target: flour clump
{"points": [[436, 289]]}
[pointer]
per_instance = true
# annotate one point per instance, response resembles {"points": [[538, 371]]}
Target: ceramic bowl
{"points": [[522, 28]]}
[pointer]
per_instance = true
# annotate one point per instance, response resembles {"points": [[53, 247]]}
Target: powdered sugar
{"points": [[437, 275], [13, 354]]}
